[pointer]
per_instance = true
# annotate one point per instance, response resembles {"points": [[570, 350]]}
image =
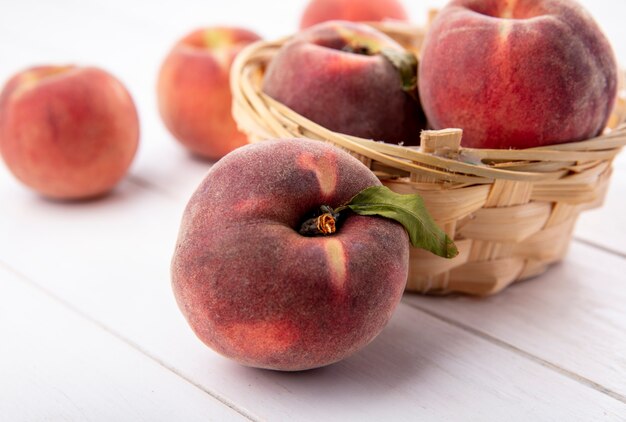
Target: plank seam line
{"points": [[595, 245], [508, 346], [151, 187], [123, 339]]}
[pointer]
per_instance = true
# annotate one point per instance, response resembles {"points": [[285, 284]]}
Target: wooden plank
{"points": [[421, 369], [56, 365], [573, 317], [110, 259]]}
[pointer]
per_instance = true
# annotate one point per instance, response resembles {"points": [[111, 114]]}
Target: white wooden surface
{"points": [[60, 365], [89, 329]]}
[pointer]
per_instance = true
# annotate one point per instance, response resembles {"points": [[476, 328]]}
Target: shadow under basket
{"points": [[511, 213]]}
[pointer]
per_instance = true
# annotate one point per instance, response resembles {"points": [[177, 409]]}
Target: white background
{"points": [[89, 329]]}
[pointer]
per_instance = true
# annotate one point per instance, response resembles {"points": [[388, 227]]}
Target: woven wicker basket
{"points": [[510, 212]]}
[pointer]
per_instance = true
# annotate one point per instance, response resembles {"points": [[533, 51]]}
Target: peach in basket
{"points": [[511, 213]]}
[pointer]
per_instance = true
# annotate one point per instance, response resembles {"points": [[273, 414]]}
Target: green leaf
{"points": [[408, 210]]}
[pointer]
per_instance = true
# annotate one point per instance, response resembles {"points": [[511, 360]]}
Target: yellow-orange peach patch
{"points": [[263, 338], [336, 256], [324, 168]]}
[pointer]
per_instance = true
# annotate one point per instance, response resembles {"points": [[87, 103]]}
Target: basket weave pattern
{"points": [[510, 212]]}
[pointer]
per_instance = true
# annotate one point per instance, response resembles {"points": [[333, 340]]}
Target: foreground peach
{"points": [[319, 11], [67, 132], [194, 93], [517, 74], [340, 75], [254, 289]]}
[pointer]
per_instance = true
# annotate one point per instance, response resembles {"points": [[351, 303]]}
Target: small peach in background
{"points": [[68, 132], [352, 10], [194, 92]]}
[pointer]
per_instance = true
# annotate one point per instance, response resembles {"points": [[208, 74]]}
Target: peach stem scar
{"points": [[322, 224]]}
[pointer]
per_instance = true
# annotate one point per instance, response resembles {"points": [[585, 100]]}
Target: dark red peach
{"points": [[517, 74], [254, 289], [335, 75]]}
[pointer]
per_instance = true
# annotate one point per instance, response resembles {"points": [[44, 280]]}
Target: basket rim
{"points": [[260, 116]]}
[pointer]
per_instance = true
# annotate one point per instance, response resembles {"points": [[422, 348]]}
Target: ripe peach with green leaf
{"points": [[266, 278], [318, 11], [349, 78], [194, 93], [517, 74], [67, 132]]}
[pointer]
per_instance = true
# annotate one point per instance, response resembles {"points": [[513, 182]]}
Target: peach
{"points": [[67, 132], [194, 93], [254, 289], [341, 75], [319, 11], [517, 74]]}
